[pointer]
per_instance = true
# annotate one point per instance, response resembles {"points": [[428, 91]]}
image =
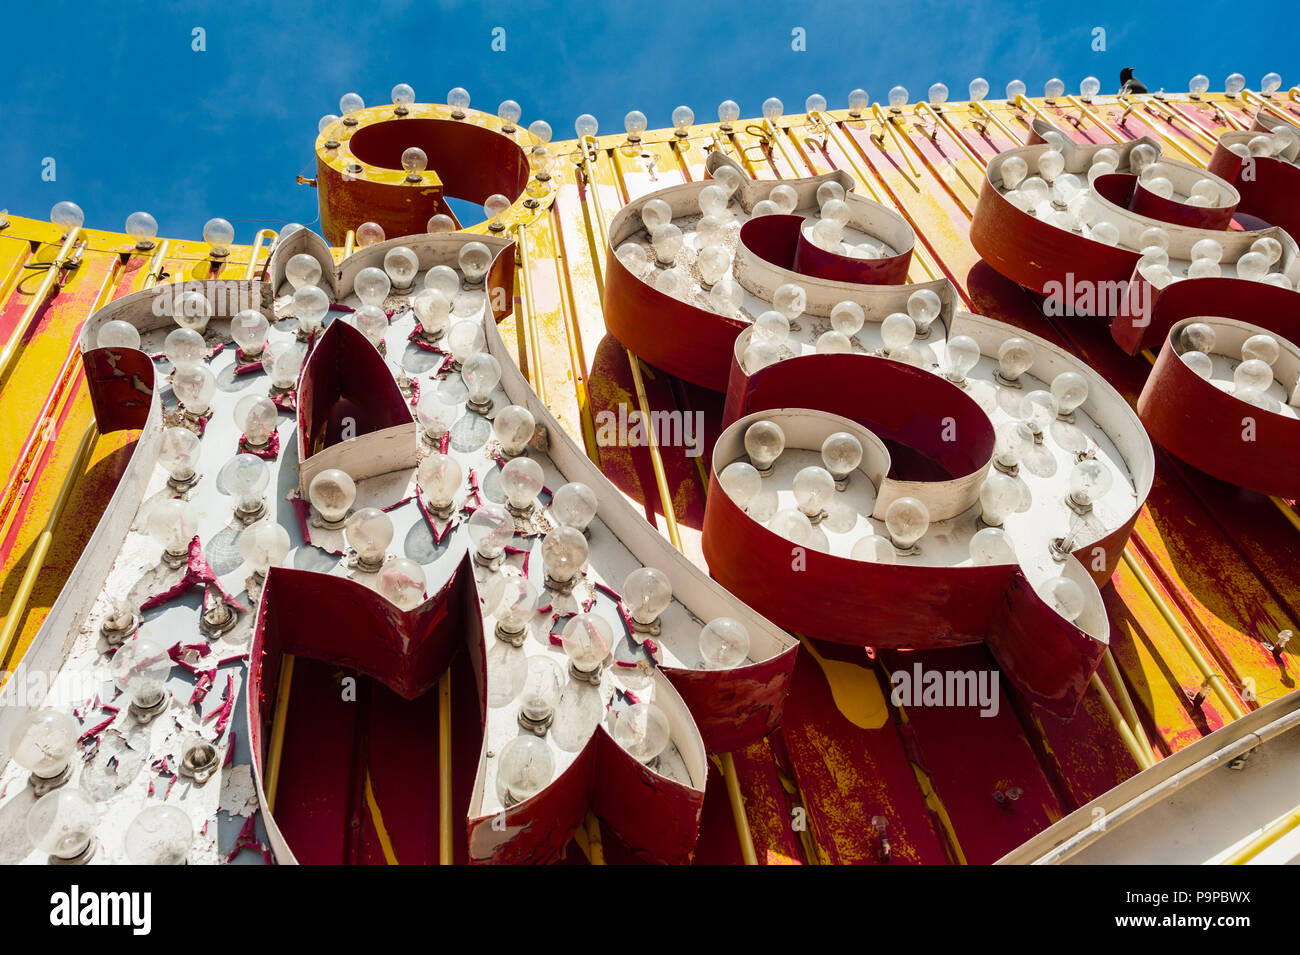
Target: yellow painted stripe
{"points": [[377, 818]]}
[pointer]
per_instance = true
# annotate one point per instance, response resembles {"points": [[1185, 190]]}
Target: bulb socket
{"points": [[536, 727], [145, 245], [219, 619], [817, 518], [367, 565], [400, 110], [442, 512], [561, 586], [40, 785], [489, 563], [200, 762], [415, 179], [332, 144], [1006, 382], [115, 636], [911, 551], [1066, 416], [521, 513], [483, 408], [148, 710], [651, 629], [1058, 551], [81, 858], [984, 521], [842, 481], [318, 521], [513, 637], [457, 114], [1077, 506], [591, 677], [763, 472], [175, 561], [508, 128], [219, 252], [247, 514]]}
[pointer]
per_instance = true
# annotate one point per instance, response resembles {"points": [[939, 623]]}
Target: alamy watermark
{"points": [[925, 687], [670, 429]]}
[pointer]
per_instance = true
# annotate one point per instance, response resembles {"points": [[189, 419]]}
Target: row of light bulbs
{"points": [[1252, 377]]}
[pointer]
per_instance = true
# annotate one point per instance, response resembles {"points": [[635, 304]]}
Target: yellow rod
{"points": [[1143, 759], [156, 264], [1213, 679], [29, 314], [941, 120], [1287, 511], [1264, 104], [1097, 120], [595, 847], [737, 800], [41, 548], [349, 243], [1271, 834], [256, 252], [656, 459], [278, 720], [1024, 102], [988, 114], [573, 336], [377, 819], [446, 837], [773, 135], [1193, 127], [1126, 703], [887, 123], [534, 341]]}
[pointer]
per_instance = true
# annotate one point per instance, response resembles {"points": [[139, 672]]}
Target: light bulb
{"points": [[1013, 169], [371, 321], [490, 529], [1012, 441], [1210, 249], [642, 730], [814, 487], [784, 198], [159, 835], [1064, 596], [249, 329], [543, 683], [324, 123], [1199, 362], [816, 103], [439, 477], [1090, 479], [837, 211], [194, 386], [773, 109], [1252, 266], [1036, 190], [907, 519], [999, 497], [1269, 247], [1198, 336], [332, 492], [192, 310], [574, 505], [586, 125], [841, 453], [1270, 83], [728, 111], [713, 201], [859, 102], [827, 235], [1015, 357], [178, 452], [495, 204], [667, 242], [458, 100], [521, 481], [793, 525], [992, 545], [1053, 89], [302, 270], [402, 583], [897, 331], [1204, 269], [633, 257], [481, 374], [1089, 87], [514, 427], [1070, 390], [833, 343], [219, 234], [764, 442], [1142, 157], [350, 103], [282, 362], [372, 286], [369, 531], [1262, 347], [140, 668], [1158, 186], [961, 354], [524, 768], [772, 327], [724, 643], [1251, 378], [938, 94], [117, 334], [509, 112], [898, 97], [540, 130], [440, 224], [683, 117], [726, 297], [368, 234], [647, 592], [1039, 409], [564, 552], [847, 318], [246, 475], [62, 824], [713, 263], [310, 305], [635, 124], [587, 640], [1234, 84], [1198, 84], [465, 339], [264, 544], [877, 549], [1050, 164], [402, 95], [475, 259], [43, 743], [443, 280], [742, 482], [760, 353], [978, 89], [924, 306], [764, 207], [1015, 90], [400, 266]]}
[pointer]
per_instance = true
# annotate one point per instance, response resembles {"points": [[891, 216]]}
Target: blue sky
{"points": [[136, 119]]}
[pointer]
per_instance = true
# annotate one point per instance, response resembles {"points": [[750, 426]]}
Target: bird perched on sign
{"points": [[1131, 84]]}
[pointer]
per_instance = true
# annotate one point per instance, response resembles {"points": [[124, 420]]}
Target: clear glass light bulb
{"points": [[372, 322], [541, 690], [877, 549], [521, 481], [1089, 87], [264, 544], [370, 233], [332, 492], [178, 452], [514, 427], [713, 263], [282, 363], [635, 124], [246, 475], [784, 198], [978, 89], [310, 306], [683, 117], [194, 386], [1270, 83], [647, 592], [897, 331], [587, 640], [833, 343], [475, 259], [841, 453], [1251, 378], [564, 552], [773, 109], [439, 477], [1198, 336], [1064, 596], [814, 488], [1050, 164], [764, 442], [301, 270], [724, 643], [907, 520], [1015, 357], [728, 111], [1199, 362], [1252, 266], [667, 242], [369, 532], [1198, 84], [633, 257], [402, 95], [43, 742], [159, 835], [586, 125], [372, 286], [924, 306], [465, 338], [62, 823], [1070, 390], [117, 334], [400, 265], [764, 207], [481, 374], [1210, 249], [642, 730], [1234, 84], [540, 130], [898, 97], [859, 101], [713, 200], [1013, 170], [742, 482], [141, 666], [443, 280], [325, 122], [402, 582], [790, 300], [509, 112], [490, 528], [1262, 347], [495, 204], [249, 329], [1015, 90], [793, 525], [938, 94], [772, 327], [141, 226], [524, 768], [726, 296], [847, 318], [992, 545], [219, 234], [440, 223], [1012, 440], [458, 99], [414, 161], [1039, 408], [1090, 479], [574, 505], [350, 103], [1269, 247], [999, 498], [192, 310], [1054, 89]]}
